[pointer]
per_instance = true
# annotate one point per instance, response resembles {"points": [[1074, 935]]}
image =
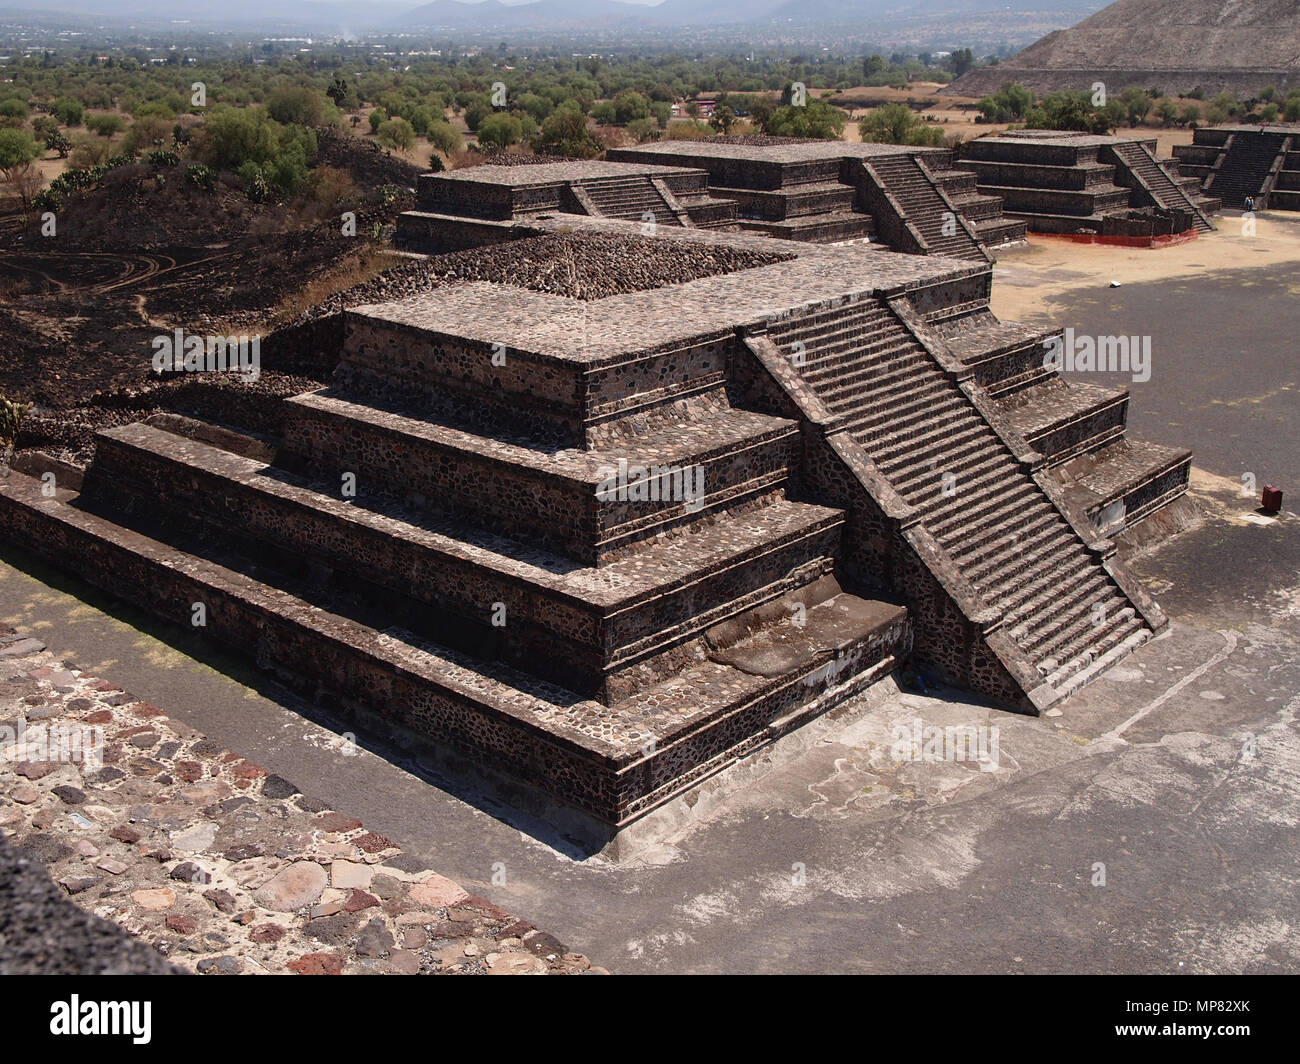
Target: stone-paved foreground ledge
{"points": [[221, 867]]}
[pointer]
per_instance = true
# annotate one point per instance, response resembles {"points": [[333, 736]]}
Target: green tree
{"points": [[1009, 104], [296, 105], [1166, 110], [629, 106], [233, 136], [761, 111], [443, 136], [817, 119], [68, 111], [566, 133], [961, 61], [497, 131], [396, 133], [1137, 105], [17, 148], [477, 110]]}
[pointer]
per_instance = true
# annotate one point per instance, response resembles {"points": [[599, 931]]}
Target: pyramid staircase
{"points": [[909, 202], [1068, 610], [632, 198], [1248, 166], [984, 212], [476, 593], [1154, 180]]}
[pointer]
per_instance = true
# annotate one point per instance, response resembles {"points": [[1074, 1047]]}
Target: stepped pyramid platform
{"points": [[836, 190], [1080, 183], [826, 192], [447, 204], [601, 549], [1230, 163]]}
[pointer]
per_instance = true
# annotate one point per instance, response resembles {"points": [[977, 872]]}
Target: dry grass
{"points": [[363, 265]]}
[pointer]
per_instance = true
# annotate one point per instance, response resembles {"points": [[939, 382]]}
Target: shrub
{"points": [[12, 416], [497, 131], [296, 106], [443, 136], [566, 133], [644, 129], [328, 187], [68, 111], [160, 157], [396, 133], [687, 131], [105, 125], [816, 119], [88, 152], [17, 147]]}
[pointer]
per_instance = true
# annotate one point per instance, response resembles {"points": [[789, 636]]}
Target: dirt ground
{"points": [[1028, 279]]}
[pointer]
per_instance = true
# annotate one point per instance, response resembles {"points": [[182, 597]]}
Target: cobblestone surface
{"points": [[220, 866]]}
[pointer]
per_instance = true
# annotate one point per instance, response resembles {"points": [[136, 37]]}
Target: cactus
{"points": [[12, 416]]}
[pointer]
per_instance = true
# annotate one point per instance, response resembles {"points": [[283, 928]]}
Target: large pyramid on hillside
{"points": [[1239, 46]]}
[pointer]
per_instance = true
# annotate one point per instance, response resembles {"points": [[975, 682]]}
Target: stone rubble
{"points": [[219, 865]]}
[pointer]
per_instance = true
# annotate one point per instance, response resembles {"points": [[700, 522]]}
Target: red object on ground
{"points": [[1272, 500]]}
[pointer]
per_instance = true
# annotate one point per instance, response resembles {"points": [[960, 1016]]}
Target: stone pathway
{"points": [[219, 865]]}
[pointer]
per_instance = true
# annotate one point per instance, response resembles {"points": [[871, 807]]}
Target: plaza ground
{"points": [[1178, 771]]}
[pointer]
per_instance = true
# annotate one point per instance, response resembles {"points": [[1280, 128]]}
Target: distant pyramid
{"points": [[1238, 46]]}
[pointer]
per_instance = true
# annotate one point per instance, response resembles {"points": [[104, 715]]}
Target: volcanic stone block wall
{"points": [[549, 398], [405, 364]]}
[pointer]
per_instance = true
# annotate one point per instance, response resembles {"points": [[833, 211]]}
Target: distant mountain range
{"points": [[559, 15]]}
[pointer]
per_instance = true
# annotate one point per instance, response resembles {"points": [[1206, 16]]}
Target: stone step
{"points": [[865, 317], [1028, 599], [934, 403], [854, 351], [972, 474], [974, 486], [610, 763], [1014, 490], [592, 621], [1115, 646], [1060, 629], [866, 415], [907, 471], [877, 369], [922, 480], [1076, 641], [910, 446], [544, 497], [1035, 536]]}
